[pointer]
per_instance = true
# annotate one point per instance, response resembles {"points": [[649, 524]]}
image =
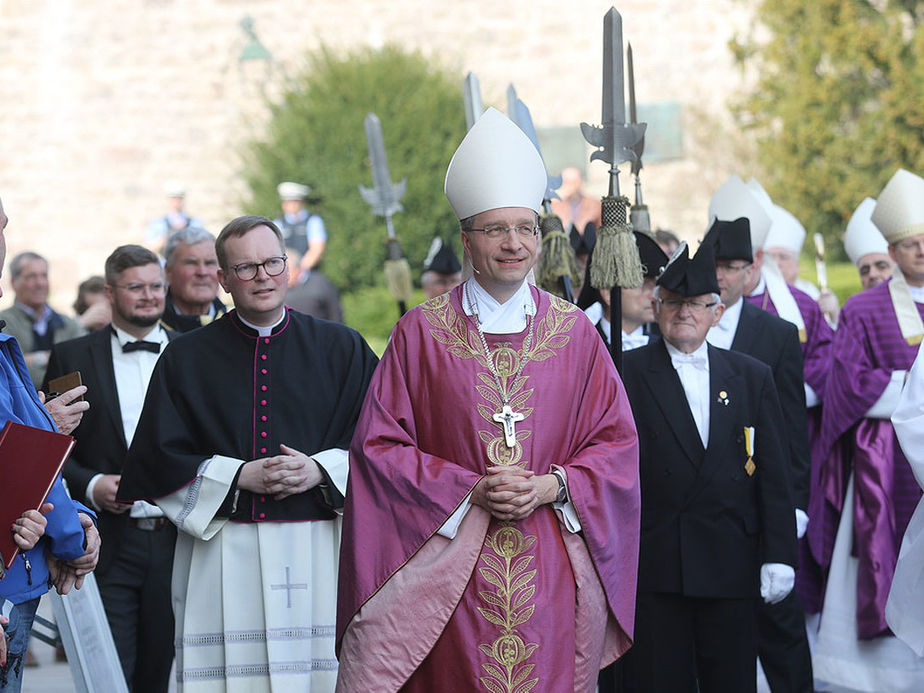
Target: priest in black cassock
{"points": [[243, 444]]}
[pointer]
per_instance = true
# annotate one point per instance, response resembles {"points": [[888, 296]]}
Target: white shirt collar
{"points": [[264, 331], [498, 318], [723, 334], [761, 286], [678, 358]]}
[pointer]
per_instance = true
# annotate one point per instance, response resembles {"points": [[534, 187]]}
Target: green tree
{"points": [[836, 106], [316, 136]]}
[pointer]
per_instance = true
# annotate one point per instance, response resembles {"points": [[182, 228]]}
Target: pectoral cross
{"points": [[507, 418]]}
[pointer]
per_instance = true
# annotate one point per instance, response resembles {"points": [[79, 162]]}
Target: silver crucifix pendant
{"points": [[507, 418]]}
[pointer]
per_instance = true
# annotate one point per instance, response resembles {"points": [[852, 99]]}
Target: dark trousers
{"points": [[684, 641], [783, 646], [135, 590]]}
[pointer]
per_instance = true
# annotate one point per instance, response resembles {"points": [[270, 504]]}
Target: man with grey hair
{"points": [[192, 279], [718, 529], [34, 324]]}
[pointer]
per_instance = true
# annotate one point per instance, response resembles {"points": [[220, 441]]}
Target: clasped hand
{"points": [[511, 493], [281, 476]]}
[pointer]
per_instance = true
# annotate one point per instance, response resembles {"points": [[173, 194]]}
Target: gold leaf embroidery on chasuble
{"points": [[505, 564], [507, 554]]}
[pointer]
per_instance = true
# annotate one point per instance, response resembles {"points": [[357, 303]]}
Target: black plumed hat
{"points": [[730, 240]]}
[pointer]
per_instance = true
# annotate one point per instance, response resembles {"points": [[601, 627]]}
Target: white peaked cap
{"points": [[785, 231], [899, 211], [495, 166], [174, 188], [735, 199], [292, 191], [862, 237]]}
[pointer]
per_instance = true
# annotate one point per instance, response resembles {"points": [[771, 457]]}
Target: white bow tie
{"points": [[695, 361]]}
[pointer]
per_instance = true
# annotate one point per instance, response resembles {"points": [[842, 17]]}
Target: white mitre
{"points": [[862, 237], [785, 231], [735, 199], [899, 211], [495, 166]]}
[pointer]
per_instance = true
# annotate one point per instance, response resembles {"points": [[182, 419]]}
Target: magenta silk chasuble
{"points": [[502, 607]]}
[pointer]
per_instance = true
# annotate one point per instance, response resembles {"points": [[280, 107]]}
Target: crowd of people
{"points": [[493, 506]]}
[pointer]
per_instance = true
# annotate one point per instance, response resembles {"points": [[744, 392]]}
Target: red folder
{"points": [[30, 461]]}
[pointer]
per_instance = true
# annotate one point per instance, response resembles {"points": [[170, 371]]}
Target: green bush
{"points": [[316, 136], [373, 312], [835, 107], [843, 278]]}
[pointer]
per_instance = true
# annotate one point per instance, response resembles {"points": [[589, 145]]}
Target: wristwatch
{"points": [[562, 494]]}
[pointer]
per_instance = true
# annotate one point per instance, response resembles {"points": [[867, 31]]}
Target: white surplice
{"points": [[905, 607], [255, 603]]}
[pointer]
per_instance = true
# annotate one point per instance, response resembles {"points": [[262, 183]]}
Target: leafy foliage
{"points": [[316, 136], [836, 107]]}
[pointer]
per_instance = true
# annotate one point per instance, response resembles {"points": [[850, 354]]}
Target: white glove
{"points": [[801, 523], [776, 581]]}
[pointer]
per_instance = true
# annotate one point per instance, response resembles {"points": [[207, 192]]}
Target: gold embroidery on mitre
{"points": [[508, 607]]}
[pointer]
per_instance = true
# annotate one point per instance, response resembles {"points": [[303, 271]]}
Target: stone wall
{"points": [[105, 100]]}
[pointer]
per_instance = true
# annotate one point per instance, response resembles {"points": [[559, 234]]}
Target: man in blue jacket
{"points": [[64, 534]]}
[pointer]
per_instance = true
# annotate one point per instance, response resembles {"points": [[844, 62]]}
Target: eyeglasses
{"points": [[675, 304], [273, 266], [137, 288], [522, 230], [728, 267]]}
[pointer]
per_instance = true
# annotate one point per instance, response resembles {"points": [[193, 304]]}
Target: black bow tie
{"points": [[153, 347]]}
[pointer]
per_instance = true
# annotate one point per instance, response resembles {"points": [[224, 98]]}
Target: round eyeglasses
{"points": [[273, 266]]}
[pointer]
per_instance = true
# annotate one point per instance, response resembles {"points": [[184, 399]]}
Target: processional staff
{"points": [[384, 198], [557, 269], [616, 260]]}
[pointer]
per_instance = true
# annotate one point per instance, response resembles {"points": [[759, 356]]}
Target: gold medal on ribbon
{"points": [[749, 466]]}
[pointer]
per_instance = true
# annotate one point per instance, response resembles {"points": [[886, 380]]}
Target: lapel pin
{"points": [[723, 397]]}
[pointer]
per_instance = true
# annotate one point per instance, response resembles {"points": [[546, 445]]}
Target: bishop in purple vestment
{"points": [[492, 522], [875, 344]]}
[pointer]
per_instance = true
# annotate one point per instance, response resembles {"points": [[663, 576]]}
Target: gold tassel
{"points": [[616, 261], [398, 279], [557, 257]]}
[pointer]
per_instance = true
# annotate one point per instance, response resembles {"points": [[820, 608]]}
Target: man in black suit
{"points": [[717, 518], [784, 649], [136, 559]]}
